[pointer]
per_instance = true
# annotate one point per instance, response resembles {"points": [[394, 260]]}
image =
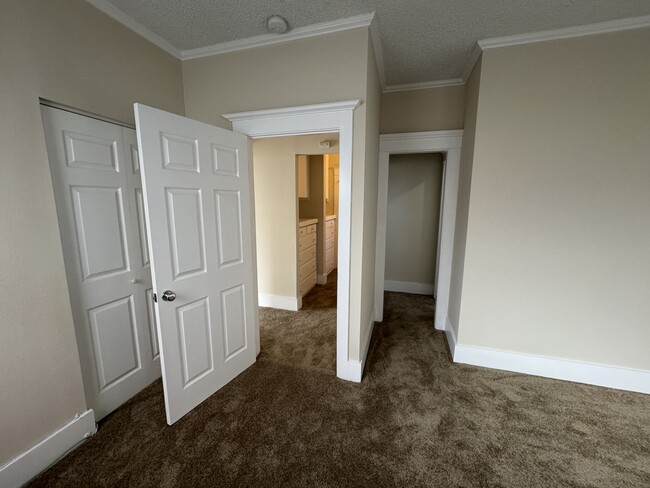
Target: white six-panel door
{"points": [[197, 188], [96, 178]]}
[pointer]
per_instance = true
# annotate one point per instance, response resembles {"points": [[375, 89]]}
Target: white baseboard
{"points": [[37, 458], [276, 301], [451, 336], [559, 369], [321, 279], [409, 287], [353, 371]]}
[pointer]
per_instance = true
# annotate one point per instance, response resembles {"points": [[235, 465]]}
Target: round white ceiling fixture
{"points": [[277, 24]]}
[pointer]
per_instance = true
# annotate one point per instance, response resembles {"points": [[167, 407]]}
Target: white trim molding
{"points": [[354, 369], [451, 337], [567, 32], [310, 119], [281, 302], [127, 21], [548, 367], [274, 113], [408, 287], [553, 35], [313, 30], [448, 142], [360, 21], [425, 85], [40, 456], [559, 369]]}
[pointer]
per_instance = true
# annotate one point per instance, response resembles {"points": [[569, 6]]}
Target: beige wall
{"points": [[412, 217], [314, 206], [557, 259], [276, 214], [369, 218], [464, 187], [295, 73], [331, 205], [299, 73], [73, 54], [423, 110]]}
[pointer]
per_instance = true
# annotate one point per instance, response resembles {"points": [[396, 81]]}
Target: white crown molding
{"points": [[305, 32], [568, 32], [290, 111], [124, 19], [553, 35], [368, 20], [424, 85]]}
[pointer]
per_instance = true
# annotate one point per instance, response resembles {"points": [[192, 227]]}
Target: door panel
{"points": [[228, 224], [232, 309], [115, 339], [197, 355], [180, 153], [95, 183], [197, 191], [95, 153], [99, 218], [185, 224]]}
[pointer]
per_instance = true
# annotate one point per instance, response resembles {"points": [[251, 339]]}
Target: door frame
{"points": [[313, 119], [449, 143]]}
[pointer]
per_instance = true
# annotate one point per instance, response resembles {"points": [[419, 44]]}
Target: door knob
{"points": [[134, 281], [168, 296]]}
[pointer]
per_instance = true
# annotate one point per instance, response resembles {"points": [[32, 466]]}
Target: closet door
{"points": [[95, 174]]}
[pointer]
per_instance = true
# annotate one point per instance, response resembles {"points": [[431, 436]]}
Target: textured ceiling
{"points": [[422, 40]]}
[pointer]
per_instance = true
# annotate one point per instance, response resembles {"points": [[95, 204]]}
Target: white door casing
{"points": [[448, 142], [312, 119], [95, 174], [198, 192]]}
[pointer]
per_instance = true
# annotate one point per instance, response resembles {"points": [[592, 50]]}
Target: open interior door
{"points": [[198, 204]]}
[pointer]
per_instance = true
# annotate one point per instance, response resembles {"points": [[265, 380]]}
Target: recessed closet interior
{"points": [[412, 222]]}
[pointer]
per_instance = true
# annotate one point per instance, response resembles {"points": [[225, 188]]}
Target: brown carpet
{"points": [[416, 420]]}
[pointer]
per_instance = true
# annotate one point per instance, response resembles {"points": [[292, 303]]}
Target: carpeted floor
{"points": [[416, 420]]}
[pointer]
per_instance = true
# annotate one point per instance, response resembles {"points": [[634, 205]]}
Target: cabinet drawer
{"points": [[306, 241], [302, 231], [330, 265], [307, 254], [330, 225], [329, 254], [306, 269], [329, 243], [307, 284], [311, 229]]}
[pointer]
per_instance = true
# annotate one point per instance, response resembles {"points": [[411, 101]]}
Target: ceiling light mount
{"points": [[277, 24]]}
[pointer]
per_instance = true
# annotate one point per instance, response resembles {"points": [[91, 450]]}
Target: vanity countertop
{"points": [[305, 222]]}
